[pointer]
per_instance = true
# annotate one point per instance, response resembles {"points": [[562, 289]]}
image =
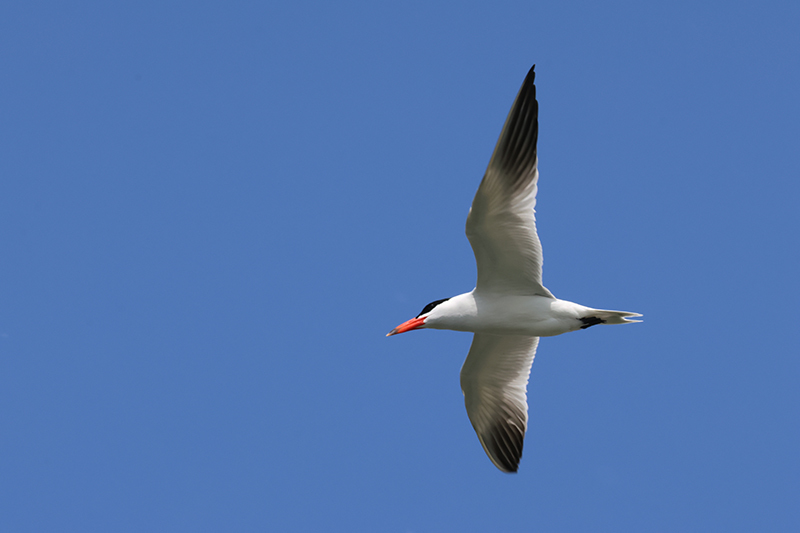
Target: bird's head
{"points": [[417, 322]]}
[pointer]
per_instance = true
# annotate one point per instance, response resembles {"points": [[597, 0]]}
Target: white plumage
{"points": [[509, 309]]}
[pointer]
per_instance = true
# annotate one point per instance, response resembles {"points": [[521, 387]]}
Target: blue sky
{"points": [[212, 213]]}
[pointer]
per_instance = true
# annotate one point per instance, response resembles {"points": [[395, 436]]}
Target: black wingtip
{"points": [[510, 469], [531, 74], [504, 446]]}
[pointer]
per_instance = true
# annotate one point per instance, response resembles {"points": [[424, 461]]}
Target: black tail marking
{"points": [[589, 321]]}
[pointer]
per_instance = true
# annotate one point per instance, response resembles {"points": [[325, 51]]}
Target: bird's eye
{"points": [[428, 308]]}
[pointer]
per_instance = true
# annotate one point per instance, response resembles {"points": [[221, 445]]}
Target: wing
{"points": [[494, 378], [501, 226]]}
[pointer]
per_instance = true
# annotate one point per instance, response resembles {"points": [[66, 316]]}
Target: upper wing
{"points": [[501, 225], [494, 378]]}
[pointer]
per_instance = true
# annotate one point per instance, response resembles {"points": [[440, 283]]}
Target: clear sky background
{"points": [[212, 213]]}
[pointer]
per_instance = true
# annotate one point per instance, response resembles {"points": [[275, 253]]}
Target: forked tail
{"points": [[603, 316]]}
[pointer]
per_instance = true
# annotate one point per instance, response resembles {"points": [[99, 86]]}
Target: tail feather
{"points": [[604, 316]]}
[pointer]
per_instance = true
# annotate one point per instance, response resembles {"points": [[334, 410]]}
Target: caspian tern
{"points": [[509, 308]]}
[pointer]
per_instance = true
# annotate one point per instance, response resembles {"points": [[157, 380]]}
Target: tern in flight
{"points": [[509, 308]]}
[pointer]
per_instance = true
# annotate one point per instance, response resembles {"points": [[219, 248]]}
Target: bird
{"points": [[509, 309]]}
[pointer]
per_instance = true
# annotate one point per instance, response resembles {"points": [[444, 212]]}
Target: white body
{"points": [[508, 314]]}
